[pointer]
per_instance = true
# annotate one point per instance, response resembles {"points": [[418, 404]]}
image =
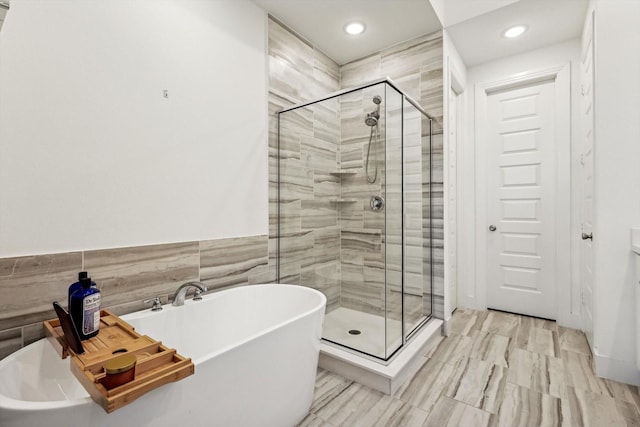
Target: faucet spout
{"points": [[181, 293]]}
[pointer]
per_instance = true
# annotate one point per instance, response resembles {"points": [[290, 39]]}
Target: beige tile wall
{"points": [[309, 148], [125, 277], [309, 151], [416, 67]]}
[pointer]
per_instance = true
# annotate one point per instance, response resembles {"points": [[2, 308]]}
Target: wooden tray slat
{"points": [[156, 364], [94, 362]]}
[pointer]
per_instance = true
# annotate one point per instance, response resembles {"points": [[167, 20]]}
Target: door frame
{"points": [[451, 189], [587, 327], [567, 312]]}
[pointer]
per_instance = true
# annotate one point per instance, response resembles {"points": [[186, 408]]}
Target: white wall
{"points": [[92, 155], [470, 292], [617, 186], [454, 75]]}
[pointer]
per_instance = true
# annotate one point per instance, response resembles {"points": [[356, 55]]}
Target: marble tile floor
{"points": [[495, 369]]}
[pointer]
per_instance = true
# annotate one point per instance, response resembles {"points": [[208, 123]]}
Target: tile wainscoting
{"points": [[125, 276]]}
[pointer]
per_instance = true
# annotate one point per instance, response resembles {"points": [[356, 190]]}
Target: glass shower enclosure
{"points": [[354, 213]]}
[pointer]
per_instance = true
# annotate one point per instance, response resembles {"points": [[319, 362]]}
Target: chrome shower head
{"points": [[374, 116], [372, 119]]}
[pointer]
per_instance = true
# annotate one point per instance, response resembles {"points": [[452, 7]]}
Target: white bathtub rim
{"points": [[222, 350], [9, 403]]}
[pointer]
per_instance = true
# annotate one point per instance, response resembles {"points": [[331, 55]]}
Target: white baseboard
{"points": [[618, 370], [573, 321]]}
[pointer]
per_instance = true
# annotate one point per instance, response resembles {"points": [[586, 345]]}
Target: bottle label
{"points": [[91, 314]]}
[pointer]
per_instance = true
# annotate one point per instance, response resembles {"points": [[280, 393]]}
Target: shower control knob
{"points": [[376, 203], [492, 228]]}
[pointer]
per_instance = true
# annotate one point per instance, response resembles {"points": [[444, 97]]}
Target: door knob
{"points": [[586, 236], [492, 228]]}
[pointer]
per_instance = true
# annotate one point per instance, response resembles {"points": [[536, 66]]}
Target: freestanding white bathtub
{"points": [[255, 350]]}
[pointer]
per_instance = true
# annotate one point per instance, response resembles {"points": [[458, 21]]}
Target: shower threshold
{"points": [[385, 378]]}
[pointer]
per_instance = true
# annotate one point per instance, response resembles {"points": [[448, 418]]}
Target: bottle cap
{"points": [[85, 282], [82, 275]]}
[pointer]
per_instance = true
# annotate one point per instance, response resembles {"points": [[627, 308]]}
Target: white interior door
{"points": [[586, 249], [521, 200]]}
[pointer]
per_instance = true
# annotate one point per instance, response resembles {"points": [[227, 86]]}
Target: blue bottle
{"points": [[84, 307], [75, 286]]}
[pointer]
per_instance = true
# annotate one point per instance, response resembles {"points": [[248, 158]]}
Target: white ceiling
{"points": [[452, 12], [479, 40], [321, 22], [475, 26]]}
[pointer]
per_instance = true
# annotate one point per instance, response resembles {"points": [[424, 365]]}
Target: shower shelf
{"points": [[343, 200], [362, 230], [344, 172]]}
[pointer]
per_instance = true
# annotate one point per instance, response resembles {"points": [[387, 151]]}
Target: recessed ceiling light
{"points": [[354, 28], [515, 31]]}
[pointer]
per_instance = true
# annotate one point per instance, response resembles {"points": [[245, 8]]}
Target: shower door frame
{"points": [[405, 337]]}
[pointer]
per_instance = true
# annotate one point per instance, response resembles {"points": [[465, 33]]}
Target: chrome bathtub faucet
{"points": [[178, 299]]}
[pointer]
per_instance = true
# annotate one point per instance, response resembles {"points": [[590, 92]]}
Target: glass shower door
{"points": [[393, 237], [414, 252], [351, 213]]}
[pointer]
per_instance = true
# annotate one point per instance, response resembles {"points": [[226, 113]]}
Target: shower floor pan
{"points": [[362, 331], [386, 378]]}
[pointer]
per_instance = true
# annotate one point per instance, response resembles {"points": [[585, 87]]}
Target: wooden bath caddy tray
{"points": [[156, 364]]}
